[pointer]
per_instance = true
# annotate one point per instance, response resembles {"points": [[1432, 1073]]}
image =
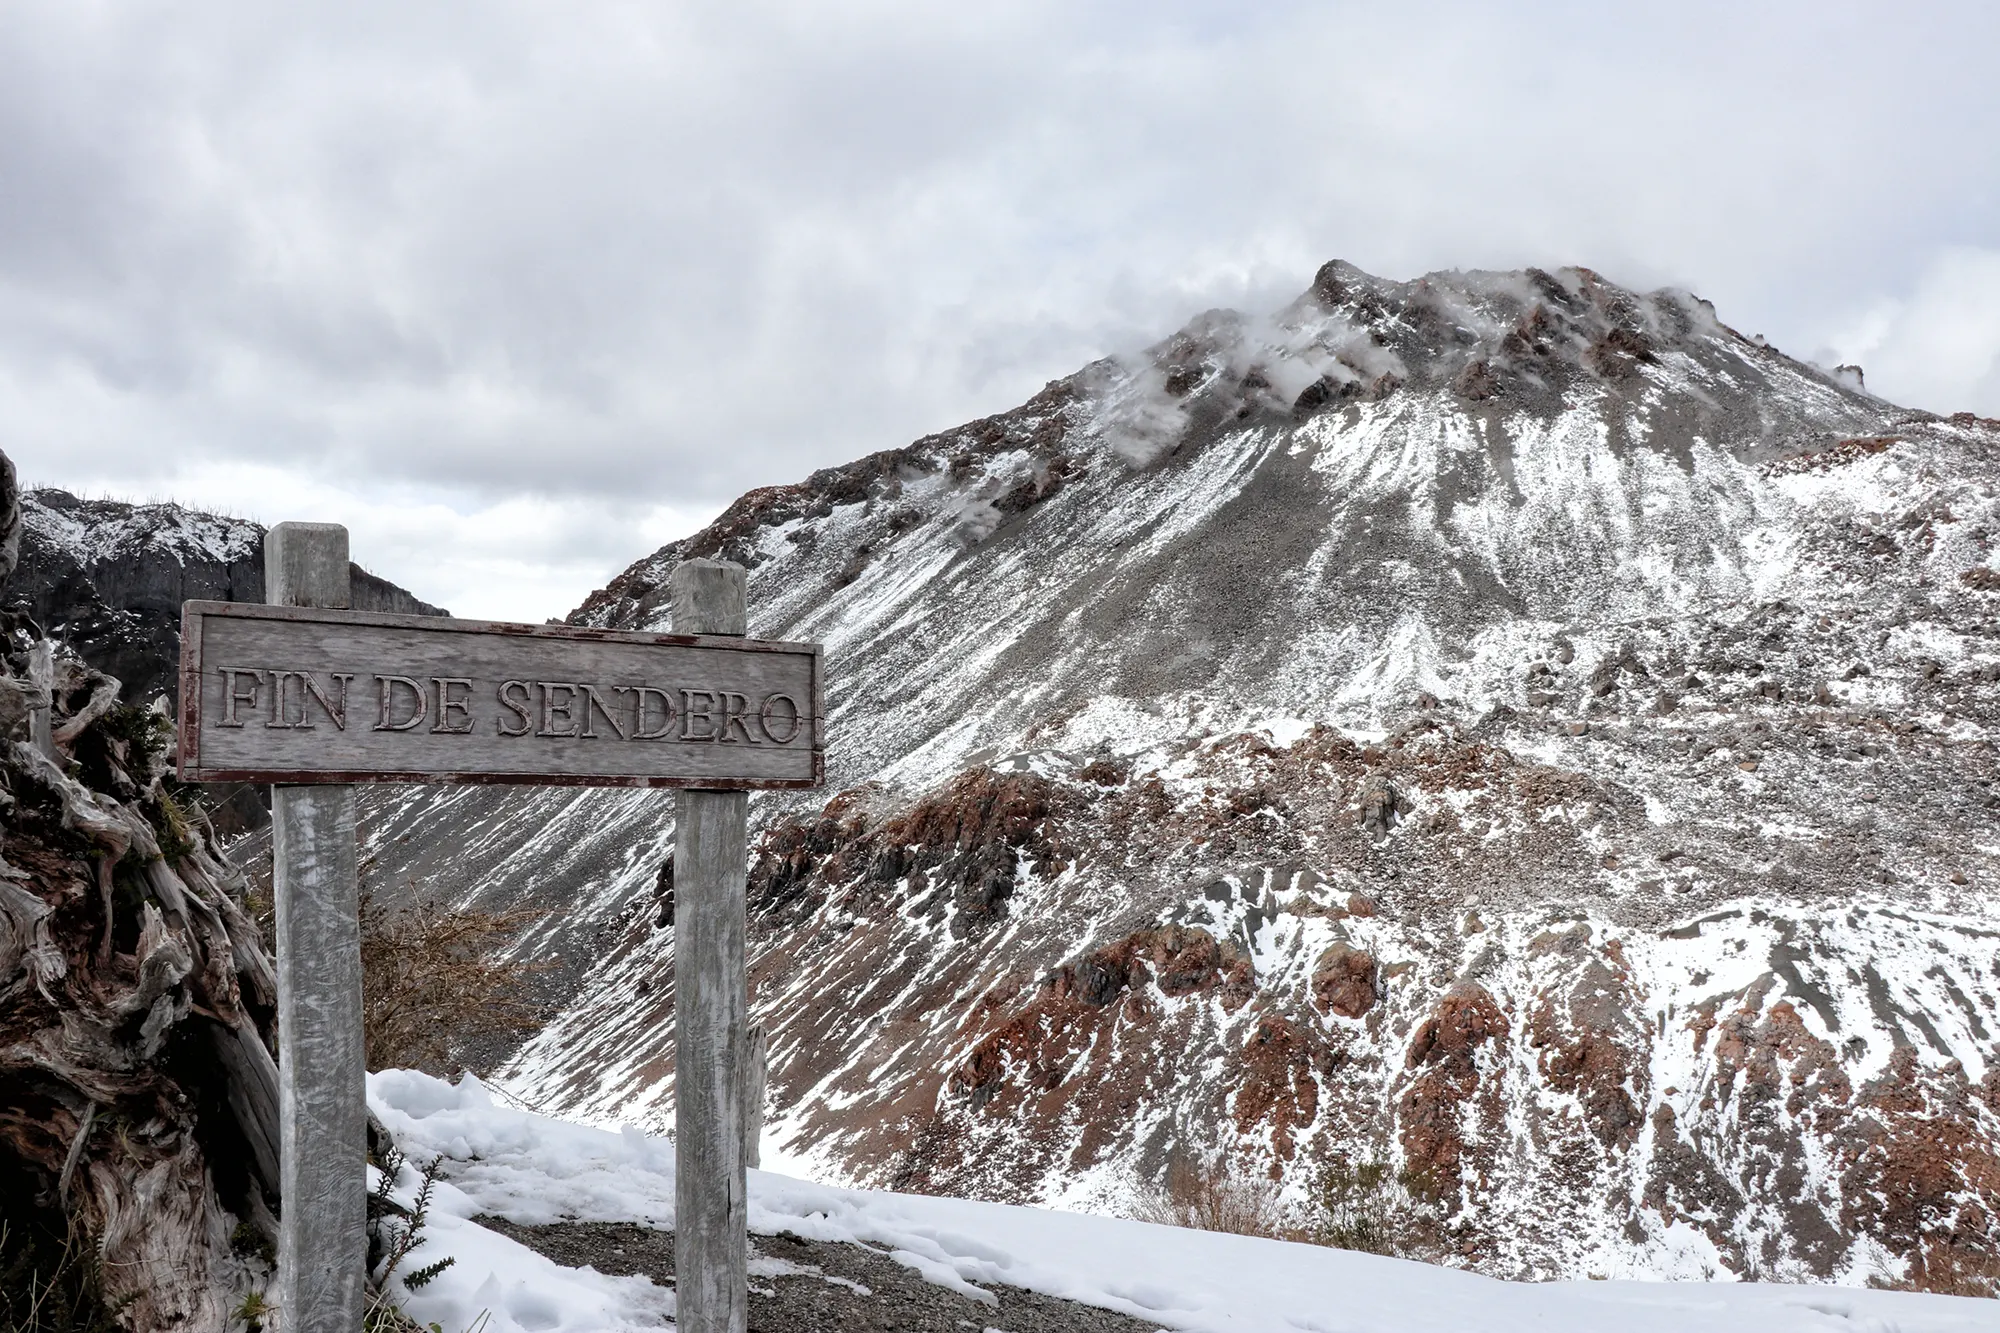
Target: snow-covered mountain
{"points": [[1503, 725], [108, 578]]}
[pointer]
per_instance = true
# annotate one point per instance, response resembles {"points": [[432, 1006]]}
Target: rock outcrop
{"points": [[108, 579]]}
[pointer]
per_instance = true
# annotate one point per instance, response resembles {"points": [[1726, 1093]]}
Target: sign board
{"points": [[291, 695], [312, 699]]}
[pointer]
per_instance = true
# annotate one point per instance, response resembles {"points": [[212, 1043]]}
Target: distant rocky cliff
{"points": [[109, 578]]}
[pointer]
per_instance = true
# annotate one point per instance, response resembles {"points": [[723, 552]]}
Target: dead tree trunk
{"points": [[138, 1094]]}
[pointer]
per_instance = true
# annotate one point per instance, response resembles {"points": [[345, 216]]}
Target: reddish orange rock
{"points": [[1344, 981]]}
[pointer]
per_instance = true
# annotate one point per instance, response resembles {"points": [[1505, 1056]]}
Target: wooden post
{"points": [[322, 1116], [710, 864], [41, 678], [756, 1076]]}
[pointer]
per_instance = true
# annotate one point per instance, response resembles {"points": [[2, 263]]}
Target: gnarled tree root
{"points": [[138, 1093]]}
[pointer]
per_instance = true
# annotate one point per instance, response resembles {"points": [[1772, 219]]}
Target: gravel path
{"points": [[804, 1286]]}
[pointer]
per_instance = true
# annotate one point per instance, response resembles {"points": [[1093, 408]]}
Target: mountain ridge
{"points": [[107, 579], [1352, 371], [1503, 725]]}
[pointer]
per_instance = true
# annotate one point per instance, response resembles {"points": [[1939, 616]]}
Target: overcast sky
{"points": [[520, 291]]}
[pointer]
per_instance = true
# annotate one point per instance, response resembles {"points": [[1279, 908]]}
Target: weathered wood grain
{"points": [[322, 1126], [710, 860], [305, 564], [41, 674], [314, 696], [756, 1079], [709, 597]]}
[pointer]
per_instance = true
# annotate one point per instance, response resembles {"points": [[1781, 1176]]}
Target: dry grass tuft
{"points": [[437, 981], [51, 1285], [1353, 1204], [1208, 1197]]}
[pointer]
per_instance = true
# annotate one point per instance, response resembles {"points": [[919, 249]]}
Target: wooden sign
{"points": [[288, 694], [312, 698]]}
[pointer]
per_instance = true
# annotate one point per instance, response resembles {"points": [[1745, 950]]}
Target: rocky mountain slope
{"points": [[1503, 725]]}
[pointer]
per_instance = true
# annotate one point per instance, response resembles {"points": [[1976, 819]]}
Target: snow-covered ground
{"points": [[532, 1169]]}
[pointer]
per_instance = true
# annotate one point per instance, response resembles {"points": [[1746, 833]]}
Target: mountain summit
{"points": [[1500, 725], [1327, 508]]}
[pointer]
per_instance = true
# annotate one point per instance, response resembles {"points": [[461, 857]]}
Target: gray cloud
{"points": [[645, 257]]}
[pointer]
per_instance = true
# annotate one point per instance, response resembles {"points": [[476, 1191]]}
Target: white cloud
{"points": [[1938, 347], [617, 257]]}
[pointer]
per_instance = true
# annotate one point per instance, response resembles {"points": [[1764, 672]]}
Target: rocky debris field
{"points": [[807, 1286]]}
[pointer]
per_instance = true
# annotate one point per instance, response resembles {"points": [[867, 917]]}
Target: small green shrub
{"points": [[169, 819], [253, 1310], [1356, 1203], [393, 1233]]}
